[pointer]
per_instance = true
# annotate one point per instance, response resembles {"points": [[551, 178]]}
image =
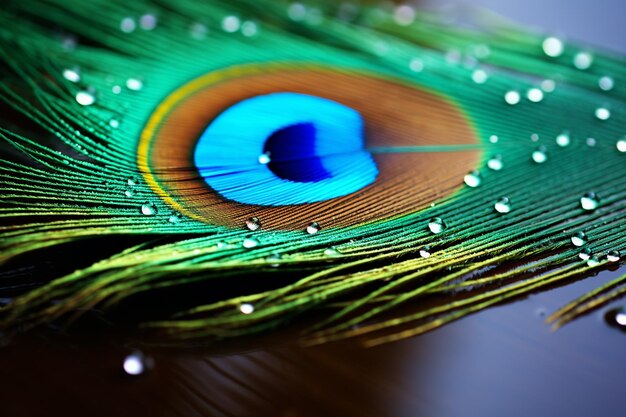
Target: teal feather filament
{"points": [[96, 146]]}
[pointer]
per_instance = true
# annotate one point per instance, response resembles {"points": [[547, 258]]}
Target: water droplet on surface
{"points": [[148, 209], [148, 21], [231, 24], [602, 113], [534, 137], [249, 29], [503, 205], [548, 86], [175, 218], [591, 142], [493, 139], [404, 15], [589, 201], [134, 84], [535, 95], [579, 239], [593, 261], [539, 155], [114, 123], [614, 256], [116, 89], [128, 25], [585, 254], [437, 225], [253, 223], [264, 158], [425, 252], [621, 145], [512, 97], [606, 83], [313, 228], [198, 31], [136, 364], [249, 243], [129, 192], [616, 317], [495, 163], [132, 181], [331, 252], [479, 76], [85, 97], [553, 47], [72, 75], [563, 139], [246, 308], [583, 60], [416, 65], [473, 179]]}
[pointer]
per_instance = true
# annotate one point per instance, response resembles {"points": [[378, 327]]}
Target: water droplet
{"points": [[132, 181], [602, 113], [563, 139], [264, 158], [416, 65], [535, 95], [404, 15], [85, 97], [128, 25], [534, 137], [116, 89], [425, 252], [583, 60], [148, 209], [136, 364], [437, 225], [512, 97], [621, 145], [593, 261], [579, 239], [249, 29], [253, 223], [313, 228], [273, 258], [249, 243], [614, 256], [473, 179], [479, 76], [606, 83], [198, 31], [246, 308], [134, 84], [148, 21], [591, 142], [175, 218], [297, 11], [129, 192], [493, 139], [231, 24], [553, 47], [548, 86], [495, 163], [72, 75], [616, 317], [114, 123], [503, 205], [331, 252], [539, 155], [585, 254], [589, 201]]}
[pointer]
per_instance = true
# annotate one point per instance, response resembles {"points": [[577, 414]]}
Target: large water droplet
{"points": [[253, 223], [540, 155], [503, 205], [535, 95], [128, 25], [136, 364], [246, 308], [473, 179], [495, 163], [585, 254], [579, 239], [602, 113], [85, 97], [231, 24], [479, 76], [437, 225], [563, 139], [134, 84], [313, 228], [589, 201], [512, 97], [72, 75], [425, 252], [249, 243], [614, 256], [148, 209]]}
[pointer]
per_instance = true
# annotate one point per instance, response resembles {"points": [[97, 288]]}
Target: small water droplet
{"points": [[313, 228], [548, 86], [534, 137], [148, 209], [579, 239], [198, 30], [606, 83], [132, 181], [540, 155], [175, 218], [591, 142], [563, 139], [128, 25], [590, 201], [493, 139], [425, 252], [404, 15], [535, 95], [137, 363], [72, 75], [231, 24], [503, 205], [114, 123], [512, 97], [249, 243], [116, 89], [416, 65], [583, 60], [134, 84], [585, 254], [273, 258], [264, 158], [495, 163], [253, 223], [129, 192], [553, 47], [249, 29], [437, 225], [246, 308], [331, 251], [602, 113], [614, 256], [148, 21], [473, 179], [593, 261], [616, 317], [621, 145], [479, 76], [85, 97]]}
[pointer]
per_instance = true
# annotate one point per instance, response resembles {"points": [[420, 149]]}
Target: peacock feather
{"points": [[361, 169]]}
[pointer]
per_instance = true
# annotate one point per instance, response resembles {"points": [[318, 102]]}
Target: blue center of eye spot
{"points": [[315, 148]]}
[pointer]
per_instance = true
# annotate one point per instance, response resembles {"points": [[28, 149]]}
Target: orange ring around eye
{"points": [[396, 113]]}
